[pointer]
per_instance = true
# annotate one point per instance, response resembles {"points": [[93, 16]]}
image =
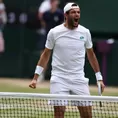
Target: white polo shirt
{"points": [[69, 48]]}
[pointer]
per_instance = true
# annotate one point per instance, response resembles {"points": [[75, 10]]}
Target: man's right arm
{"points": [[40, 66], [43, 60]]}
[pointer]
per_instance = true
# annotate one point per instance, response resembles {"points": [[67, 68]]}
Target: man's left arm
{"points": [[95, 65]]}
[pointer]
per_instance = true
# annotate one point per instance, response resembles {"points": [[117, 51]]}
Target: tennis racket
{"points": [[99, 92]]}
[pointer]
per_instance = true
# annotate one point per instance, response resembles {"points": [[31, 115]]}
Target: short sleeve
{"points": [[50, 40], [2, 6], [44, 6], [88, 43]]}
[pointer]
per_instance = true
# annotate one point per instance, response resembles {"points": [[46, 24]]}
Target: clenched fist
{"points": [[33, 84]]}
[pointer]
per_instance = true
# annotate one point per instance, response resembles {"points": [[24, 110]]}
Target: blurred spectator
{"points": [[45, 6], [54, 16], [51, 18], [3, 21]]}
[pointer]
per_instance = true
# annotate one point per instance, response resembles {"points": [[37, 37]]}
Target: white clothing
{"points": [[2, 6], [70, 6], [3, 15], [3, 18], [67, 88], [45, 6], [69, 48]]}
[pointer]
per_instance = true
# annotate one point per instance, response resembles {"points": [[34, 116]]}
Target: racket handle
{"points": [[100, 104], [99, 92]]}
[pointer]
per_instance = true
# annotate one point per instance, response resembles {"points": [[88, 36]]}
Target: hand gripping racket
{"points": [[99, 92]]}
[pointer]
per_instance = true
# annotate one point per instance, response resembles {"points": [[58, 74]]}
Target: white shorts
{"points": [[69, 87]]}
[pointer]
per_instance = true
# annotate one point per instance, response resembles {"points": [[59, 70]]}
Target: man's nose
{"points": [[77, 14]]}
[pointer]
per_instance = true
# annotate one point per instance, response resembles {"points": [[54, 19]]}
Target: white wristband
{"points": [[98, 76], [39, 70]]}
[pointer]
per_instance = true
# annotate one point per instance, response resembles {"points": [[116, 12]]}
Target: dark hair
{"points": [[74, 4]]}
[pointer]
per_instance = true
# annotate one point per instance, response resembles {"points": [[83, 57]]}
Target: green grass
{"points": [[15, 88], [114, 93], [6, 87], [36, 113]]}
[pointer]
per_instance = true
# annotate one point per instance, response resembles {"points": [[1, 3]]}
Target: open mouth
{"points": [[76, 20]]}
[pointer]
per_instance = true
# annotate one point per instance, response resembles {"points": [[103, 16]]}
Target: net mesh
{"points": [[30, 105]]}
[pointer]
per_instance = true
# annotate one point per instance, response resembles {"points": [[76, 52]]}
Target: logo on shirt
{"points": [[81, 37]]}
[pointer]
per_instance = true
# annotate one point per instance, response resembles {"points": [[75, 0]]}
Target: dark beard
{"points": [[71, 23]]}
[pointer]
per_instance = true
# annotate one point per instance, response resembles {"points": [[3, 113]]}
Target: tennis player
{"points": [[70, 42]]}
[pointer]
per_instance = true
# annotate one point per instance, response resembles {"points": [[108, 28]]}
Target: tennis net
{"points": [[33, 105]]}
